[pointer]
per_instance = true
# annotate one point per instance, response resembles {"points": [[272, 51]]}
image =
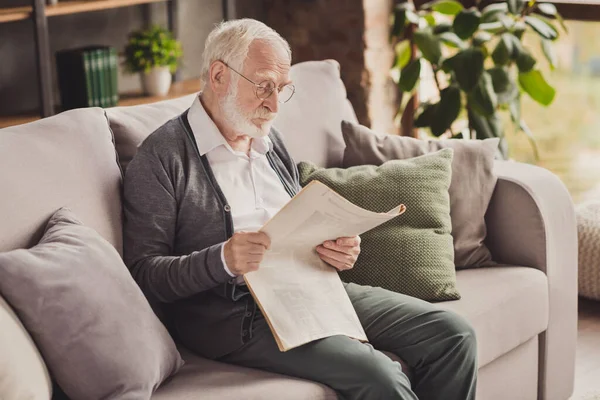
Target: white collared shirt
{"points": [[252, 188]]}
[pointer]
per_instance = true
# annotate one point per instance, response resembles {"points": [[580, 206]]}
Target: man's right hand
{"points": [[245, 250]]}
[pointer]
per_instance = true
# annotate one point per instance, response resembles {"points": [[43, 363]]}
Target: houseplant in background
{"points": [[155, 54], [480, 64]]}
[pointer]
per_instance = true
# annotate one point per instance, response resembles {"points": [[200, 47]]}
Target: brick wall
{"points": [[353, 32]]}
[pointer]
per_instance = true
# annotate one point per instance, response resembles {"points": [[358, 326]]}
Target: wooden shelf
{"points": [[79, 6], [65, 7], [14, 14], [178, 89]]}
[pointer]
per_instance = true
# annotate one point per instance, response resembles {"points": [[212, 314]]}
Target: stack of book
{"points": [[87, 77]]}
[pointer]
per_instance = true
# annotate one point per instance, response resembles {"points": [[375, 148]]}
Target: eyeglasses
{"points": [[265, 89]]}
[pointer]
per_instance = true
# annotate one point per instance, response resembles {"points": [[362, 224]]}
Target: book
{"points": [[303, 298], [74, 71], [114, 76]]}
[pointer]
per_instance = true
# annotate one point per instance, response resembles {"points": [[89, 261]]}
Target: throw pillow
{"points": [[412, 253], [471, 188], [91, 322]]}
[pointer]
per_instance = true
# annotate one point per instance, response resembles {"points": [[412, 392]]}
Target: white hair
{"points": [[229, 42]]}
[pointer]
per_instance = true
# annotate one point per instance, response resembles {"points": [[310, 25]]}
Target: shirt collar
{"points": [[207, 135]]}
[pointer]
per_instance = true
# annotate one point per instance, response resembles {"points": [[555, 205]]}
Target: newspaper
{"points": [[302, 297]]}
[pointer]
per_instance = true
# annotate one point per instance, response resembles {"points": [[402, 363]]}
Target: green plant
{"points": [[480, 64], [153, 47]]}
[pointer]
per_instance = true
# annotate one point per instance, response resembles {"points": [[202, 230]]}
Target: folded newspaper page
{"points": [[302, 297]]}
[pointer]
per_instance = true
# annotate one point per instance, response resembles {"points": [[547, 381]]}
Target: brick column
{"points": [[353, 32]]}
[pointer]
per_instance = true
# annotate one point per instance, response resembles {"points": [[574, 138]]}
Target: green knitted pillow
{"points": [[413, 253]]}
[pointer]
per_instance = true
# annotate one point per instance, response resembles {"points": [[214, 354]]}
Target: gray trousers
{"points": [[439, 346]]}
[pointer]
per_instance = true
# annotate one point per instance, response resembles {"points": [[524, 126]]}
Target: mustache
{"points": [[264, 113]]}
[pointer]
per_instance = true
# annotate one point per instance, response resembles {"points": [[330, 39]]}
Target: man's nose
{"points": [[272, 102]]}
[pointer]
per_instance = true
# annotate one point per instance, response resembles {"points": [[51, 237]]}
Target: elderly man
{"points": [[195, 195]]}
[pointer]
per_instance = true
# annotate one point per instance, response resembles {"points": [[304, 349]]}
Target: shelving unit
{"points": [[178, 89], [38, 13]]}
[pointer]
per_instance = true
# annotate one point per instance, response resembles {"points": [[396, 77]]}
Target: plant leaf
{"points": [[525, 61], [483, 100], [544, 28], [489, 13], [481, 37], [525, 128], [515, 111], [537, 88], [424, 119], [429, 44], [429, 18], [485, 127], [500, 78], [466, 23], [547, 8], [398, 23], [468, 67], [452, 40], [513, 6], [447, 110], [549, 52], [442, 27], [510, 94], [504, 50], [492, 27], [410, 75], [403, 51], [412, 17], [447, 7]]}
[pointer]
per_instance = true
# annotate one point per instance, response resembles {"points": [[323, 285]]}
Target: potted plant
{"points": [[481, 66], [155, 54]]}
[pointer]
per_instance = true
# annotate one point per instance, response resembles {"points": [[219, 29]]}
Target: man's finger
{"points": [[259, 238], [336, 255], [328, 244], [348, 241], [334, 263]]}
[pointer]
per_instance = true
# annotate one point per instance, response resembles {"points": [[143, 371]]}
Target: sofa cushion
{"points": [[132, 124], [313, 116], [310, 121], [206, 379], [506, 305], [87, 315], [473, 180], [412, 253], [23, 374], [65, 160]]}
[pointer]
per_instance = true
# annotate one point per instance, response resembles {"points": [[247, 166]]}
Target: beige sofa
{"points": [[523, 309]]}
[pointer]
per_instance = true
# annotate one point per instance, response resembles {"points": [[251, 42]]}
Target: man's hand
{"points": [[245, 250], [341, 253]]}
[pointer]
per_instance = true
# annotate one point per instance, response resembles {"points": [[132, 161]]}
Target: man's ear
{"points": [[218, 77]]}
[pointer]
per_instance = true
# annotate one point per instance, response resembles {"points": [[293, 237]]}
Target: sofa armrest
{"points": [[531, 222]]}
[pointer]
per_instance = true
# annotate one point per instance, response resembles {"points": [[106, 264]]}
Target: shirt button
{"points": [[248, 314], [227, 208], [245, 333]]}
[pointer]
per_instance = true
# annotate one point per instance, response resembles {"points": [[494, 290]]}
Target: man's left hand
{"points": [[340, 253]]}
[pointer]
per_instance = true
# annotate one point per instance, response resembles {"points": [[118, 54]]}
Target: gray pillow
{"points": [[471, 187], [91, 322]]}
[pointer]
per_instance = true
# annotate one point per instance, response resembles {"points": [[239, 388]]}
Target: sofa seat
{"points": [[506, 305], [207, 379]]}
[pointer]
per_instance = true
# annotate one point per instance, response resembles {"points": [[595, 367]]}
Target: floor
{"points": [[587, 369]]}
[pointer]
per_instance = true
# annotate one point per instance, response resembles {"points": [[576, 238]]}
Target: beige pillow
{"points": [[471, 187], [90, 320], [23, 374]]}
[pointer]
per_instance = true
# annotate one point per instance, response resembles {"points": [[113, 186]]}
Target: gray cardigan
{"points": [[176, 219]]}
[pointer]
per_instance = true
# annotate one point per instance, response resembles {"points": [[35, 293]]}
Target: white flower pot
{"points": [[156, 82]]}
